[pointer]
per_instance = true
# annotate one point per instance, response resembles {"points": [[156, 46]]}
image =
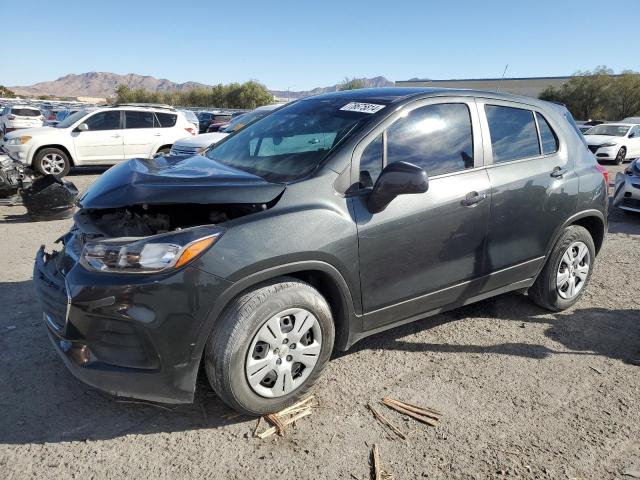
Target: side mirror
{"points": [[398, 178], [632, 135], [83, 127]]}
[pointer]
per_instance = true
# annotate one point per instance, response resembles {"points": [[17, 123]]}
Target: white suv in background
{"points": [[100, 136], [14, 117]]}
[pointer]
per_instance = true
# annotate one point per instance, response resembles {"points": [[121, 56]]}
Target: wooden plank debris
{"points": [[425, 415], [287, 416], [385, 422]]}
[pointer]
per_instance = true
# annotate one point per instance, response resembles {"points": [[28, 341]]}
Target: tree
{"points": [[351, 84], [248, 95], [5, 92], [598, 94], [624, 95]]}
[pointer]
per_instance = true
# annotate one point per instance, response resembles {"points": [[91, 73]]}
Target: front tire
{"points": [[567, 271], [622, 153], [270, 346], [52, 161]]}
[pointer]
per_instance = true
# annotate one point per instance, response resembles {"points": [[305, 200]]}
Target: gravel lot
{"points": [[524, 393]]}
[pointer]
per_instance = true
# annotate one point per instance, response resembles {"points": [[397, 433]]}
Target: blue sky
{"points": [[301, 44]]}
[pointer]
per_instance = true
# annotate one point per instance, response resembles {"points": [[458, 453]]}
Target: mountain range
{"points": [[103, 84]]}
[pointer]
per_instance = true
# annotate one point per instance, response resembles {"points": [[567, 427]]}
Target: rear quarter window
{"points": [[165, 120], [547, 135]]}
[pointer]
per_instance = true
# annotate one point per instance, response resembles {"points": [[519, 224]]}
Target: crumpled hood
{"points": [[172, 180]]}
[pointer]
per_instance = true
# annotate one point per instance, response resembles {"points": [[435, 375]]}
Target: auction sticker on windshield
{"points": [[362, 107]]}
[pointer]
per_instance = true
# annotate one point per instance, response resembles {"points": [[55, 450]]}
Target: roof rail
{"points": [[148, 105]]}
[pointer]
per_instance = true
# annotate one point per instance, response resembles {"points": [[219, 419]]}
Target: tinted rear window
{"points": [[25, 112], [221, 118], [165, 120], [513, 133]]}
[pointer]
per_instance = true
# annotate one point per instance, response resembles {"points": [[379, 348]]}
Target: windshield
{"points": [[71, 119], [611, 130], [291, 142]]}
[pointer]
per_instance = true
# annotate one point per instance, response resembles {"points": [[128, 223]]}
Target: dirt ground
{"points": [[524, 393]]}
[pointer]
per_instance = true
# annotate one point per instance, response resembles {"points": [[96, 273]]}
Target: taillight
{"points": [[605, 174], [191, 130]]}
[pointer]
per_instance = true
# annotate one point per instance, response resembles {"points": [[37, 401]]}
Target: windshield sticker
{"points": [[362, 107]]}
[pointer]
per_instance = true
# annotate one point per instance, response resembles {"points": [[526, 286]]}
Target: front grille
{"points": [[184, 150], [593, 148], [52, 293]]}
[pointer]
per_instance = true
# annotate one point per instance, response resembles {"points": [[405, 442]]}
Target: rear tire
{"points": [[163, 151], [550, 291], [259, 336], [52, 161]]}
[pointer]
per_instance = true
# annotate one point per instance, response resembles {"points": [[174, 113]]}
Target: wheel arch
{"points": [[168, 146], [59, 147], [593, 220], [324, 277]]}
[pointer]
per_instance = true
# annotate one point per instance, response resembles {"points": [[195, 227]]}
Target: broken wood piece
{"points": [[288, 421], [377, 470], [378, 416], [429, 412], [255, 430], [417, 413], [595, 369]]}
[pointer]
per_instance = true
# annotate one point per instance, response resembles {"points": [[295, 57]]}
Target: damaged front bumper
{"points": [[627, 191], [129, 336]]}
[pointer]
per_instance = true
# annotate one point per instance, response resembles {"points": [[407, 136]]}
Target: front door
{"points": [[102, 143], [424, 251]]}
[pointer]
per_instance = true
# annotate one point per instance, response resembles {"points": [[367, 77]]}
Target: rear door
{"points": [[533, 186], [102, 143], [26, 117], [426, 250], [138, 134]]}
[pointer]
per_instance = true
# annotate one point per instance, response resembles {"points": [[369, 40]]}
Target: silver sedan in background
{"points": [[627, 190]]}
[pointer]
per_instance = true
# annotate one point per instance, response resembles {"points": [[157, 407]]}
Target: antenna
{"points": [[502, 78]]}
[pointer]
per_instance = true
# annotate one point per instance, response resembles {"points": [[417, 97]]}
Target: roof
{"points": [[568, 77], [389, 95]]}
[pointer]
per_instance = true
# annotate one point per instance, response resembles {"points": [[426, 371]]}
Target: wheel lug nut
{"points": [[278, 361], [289, 358], [285, 341], [292, 346]]}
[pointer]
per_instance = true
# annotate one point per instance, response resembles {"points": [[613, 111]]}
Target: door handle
{"points": [[473, 198], [558, 172], [157, 134], [115, 136]]}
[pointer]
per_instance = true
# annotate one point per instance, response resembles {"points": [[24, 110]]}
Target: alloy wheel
{"points": [[283, 353], [573, 270], [53, 164]]}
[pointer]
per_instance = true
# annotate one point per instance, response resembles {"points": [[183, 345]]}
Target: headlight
{"points": [[150, 254], [609, 144], [19, 140]]}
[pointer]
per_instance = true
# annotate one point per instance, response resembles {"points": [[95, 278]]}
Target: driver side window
{"points": [[109, 120]]}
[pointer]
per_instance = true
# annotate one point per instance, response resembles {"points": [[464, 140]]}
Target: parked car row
{"points": [[99, 136]]}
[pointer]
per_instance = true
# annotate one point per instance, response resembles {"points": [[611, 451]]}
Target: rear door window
{"points": [[109, 120], [138, 119], [437, 138], [513, 133], [165, 120], [547, 135]]}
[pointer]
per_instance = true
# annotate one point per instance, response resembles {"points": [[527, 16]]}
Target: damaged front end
{"points": [[123, 303]]}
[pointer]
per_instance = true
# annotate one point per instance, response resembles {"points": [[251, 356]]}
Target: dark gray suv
{"points": [[332, 218]]}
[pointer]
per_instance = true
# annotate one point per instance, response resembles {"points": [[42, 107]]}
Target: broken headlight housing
{"points": [[149, 254]]}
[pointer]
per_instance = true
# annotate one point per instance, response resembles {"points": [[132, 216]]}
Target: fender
{"points": [[569, 221], [347, 327]]}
